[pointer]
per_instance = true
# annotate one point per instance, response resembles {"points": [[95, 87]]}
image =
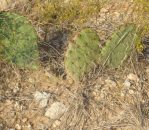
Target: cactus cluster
{"points": [[82, 53], [18, 44], [18, 40]]}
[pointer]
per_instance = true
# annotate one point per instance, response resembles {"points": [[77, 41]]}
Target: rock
{"points": [[16, 89], [147, 71], [66, 1], [18, 127], [28, 126], [42, 127], [131, 91], [127, 83], [56, 123], [104, 10], [40, 95], [24, 120], [148, 93], [122, 94], [17, 105], [132, 77], [110, 83], [56, 110], [43, 103], [42, 98]]}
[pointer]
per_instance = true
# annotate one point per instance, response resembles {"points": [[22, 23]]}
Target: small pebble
{"points": [[42, 127], [147, 71], [42, 98], [132, 77], [43, 103], [18, 127], [16, 89], [103, 10], [122, 94], [110, 83], [56, 123], [24, 120], [127, 83], [131, 91], [40, 95]]}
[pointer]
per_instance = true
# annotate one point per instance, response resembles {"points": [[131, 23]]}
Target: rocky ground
{"points": [[112, 100]]}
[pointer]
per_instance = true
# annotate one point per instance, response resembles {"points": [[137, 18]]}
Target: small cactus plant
{"points": [[18, 40], [82, 54], [119, 46]]}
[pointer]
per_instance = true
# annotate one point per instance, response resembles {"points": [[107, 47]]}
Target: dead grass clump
{"points": [[62, 12]]}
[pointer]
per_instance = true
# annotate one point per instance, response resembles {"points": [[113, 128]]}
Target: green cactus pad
{"points": [[18, 40], [82, 54], [118, 48]]}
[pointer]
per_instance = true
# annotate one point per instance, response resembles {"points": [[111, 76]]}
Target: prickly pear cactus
{"points": [[82, 54], [18, 40], [119, 46]]}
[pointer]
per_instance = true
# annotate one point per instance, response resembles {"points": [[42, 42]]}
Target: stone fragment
{"points": [[56, 110], [133, 77]]}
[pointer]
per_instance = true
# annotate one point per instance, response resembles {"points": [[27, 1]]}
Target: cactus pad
{"points": [[18, 40], [82, 54], [118, 48]]}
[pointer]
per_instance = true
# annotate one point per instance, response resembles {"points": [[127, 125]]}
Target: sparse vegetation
{"points": [[65, 12]]}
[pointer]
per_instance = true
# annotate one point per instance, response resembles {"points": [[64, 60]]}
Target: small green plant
{"points": [[18, 40], [82, 54], [142, 13], [118, 48], [142, 21]]}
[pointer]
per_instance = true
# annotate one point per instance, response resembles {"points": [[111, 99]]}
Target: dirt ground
{"points": [[111, 100]]}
